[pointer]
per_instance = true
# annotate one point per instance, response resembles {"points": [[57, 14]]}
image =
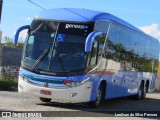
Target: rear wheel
{"points": [[141, 92], [144, 92], [45, 99], [99, 99]]}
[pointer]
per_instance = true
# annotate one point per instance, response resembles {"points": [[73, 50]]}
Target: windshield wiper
{"points": [[60, 61], [54, 57], [41, 56]]}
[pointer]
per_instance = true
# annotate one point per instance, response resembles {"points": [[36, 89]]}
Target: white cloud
{"points": [[152, 30], [36, 16], [26, 18]]}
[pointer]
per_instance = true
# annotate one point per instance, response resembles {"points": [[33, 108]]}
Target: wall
{"points": [[10, 60]]}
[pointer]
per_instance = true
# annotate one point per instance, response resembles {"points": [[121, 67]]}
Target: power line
{"points": [[45, 4], [36, 4]]}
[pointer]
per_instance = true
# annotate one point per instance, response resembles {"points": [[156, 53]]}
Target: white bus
{"points": [[79, 55]]}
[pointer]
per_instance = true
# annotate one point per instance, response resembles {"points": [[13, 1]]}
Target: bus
{"points": [[83, 56]]}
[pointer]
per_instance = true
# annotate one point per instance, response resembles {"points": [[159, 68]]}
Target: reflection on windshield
{"points": [[37, 44], [66, 55]]}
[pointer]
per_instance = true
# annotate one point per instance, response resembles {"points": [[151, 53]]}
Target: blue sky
{"points": [[144, 14]]}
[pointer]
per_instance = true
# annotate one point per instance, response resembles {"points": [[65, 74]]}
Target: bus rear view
{"points": [[69, 55]]}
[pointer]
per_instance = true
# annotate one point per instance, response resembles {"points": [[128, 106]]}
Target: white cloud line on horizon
{"points": [[151, 30], [26, 18]]}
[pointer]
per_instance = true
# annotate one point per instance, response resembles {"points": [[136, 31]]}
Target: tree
{"points": [[9, 42]]}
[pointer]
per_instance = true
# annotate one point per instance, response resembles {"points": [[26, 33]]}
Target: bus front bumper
{"points": [[76, 94]]}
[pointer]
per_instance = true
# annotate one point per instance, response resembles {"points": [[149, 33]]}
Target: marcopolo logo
{"points": [[74, 26]]}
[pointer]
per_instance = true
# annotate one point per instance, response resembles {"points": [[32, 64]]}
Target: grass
{"points": [[7, 84]]}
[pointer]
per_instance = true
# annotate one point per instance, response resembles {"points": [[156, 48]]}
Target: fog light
{"points": [[73, 94], [20, 86]]}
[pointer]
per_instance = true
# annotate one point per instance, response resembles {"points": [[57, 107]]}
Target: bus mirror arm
{"points": [[90, 39], [15, 41]]}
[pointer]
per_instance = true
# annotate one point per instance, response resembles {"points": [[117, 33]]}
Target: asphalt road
{"points": [[13, 101]]}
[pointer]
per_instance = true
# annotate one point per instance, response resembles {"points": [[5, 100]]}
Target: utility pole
{"points": [[1, 5], [1, 2]]}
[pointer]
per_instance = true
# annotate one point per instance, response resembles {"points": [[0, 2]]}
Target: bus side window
{"points": [[94, 54], [30, 45]]}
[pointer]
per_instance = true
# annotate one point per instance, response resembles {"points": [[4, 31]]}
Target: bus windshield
{"points": [[56, 47], [66, 53]]}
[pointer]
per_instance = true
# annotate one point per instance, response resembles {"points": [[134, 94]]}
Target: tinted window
{"points": [[125, 38], [112, 45], [102, 26], [147, 49], [94, 53]]}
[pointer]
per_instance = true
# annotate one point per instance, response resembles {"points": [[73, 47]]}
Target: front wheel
{"points": [[45, 99], [99, 99]]}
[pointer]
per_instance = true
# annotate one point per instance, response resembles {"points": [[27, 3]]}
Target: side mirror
{"points": [[15, 41], [90, 40]]}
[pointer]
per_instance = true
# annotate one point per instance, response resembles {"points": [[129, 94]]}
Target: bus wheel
{"points": [[99, 99], [141, 92], [45, 99], [144, 92]]}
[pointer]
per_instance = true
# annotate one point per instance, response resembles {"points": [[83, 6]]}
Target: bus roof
{"points": [[83, 15]]}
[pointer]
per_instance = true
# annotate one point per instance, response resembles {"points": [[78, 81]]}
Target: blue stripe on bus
{"points": [[113, 90]]}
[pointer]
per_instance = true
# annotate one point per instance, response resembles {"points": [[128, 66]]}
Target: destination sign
{"points": [[83, 29]]}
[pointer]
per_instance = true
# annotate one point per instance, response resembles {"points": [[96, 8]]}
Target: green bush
{"points": [[7, 84]]}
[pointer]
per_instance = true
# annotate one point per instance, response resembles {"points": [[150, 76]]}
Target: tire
{"points": [[141, 92], [45, 99], [144, 92], [99, 99]]}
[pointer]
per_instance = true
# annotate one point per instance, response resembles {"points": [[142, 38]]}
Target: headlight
{"points": [[24, 78], [72, 83]]}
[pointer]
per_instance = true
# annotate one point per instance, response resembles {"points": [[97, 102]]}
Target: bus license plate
{"points": [[45, 92]]}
